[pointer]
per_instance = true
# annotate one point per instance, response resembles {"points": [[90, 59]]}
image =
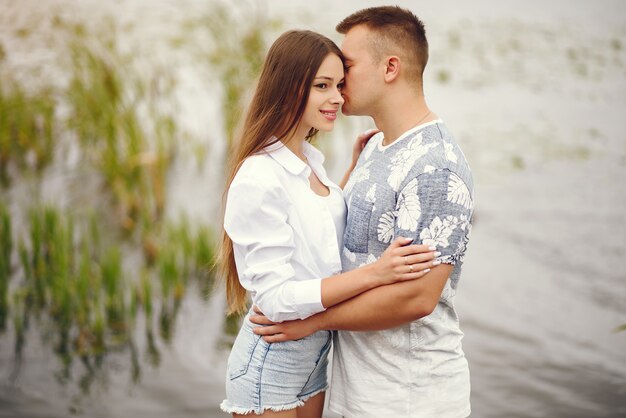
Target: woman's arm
{"points": [[400, 262], [256, 220], [358, 146], [377, 309]]}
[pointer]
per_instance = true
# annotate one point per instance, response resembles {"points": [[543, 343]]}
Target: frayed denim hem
{"points": [[310, 395], [226, 407]]}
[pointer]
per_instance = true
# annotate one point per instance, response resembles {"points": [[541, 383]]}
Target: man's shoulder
{"points": [[443, 149], [433, 149]]}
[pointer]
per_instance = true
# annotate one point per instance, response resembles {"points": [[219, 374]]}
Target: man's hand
{"points": [[285, 331]]}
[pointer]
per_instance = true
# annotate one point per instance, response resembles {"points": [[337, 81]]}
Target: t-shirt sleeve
{"points": [[435, 208]]}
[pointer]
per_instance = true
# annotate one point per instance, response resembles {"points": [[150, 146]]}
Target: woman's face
{"points": [[325, 98]]}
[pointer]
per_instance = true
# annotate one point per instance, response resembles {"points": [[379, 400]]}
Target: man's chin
{"points": [[348, 110]]}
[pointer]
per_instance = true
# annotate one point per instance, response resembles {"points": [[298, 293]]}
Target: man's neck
{"points": [[398, 116]]}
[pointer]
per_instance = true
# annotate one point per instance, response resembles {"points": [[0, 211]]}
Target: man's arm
{"points": [[435, 207], [388, 306], [380, 308]]}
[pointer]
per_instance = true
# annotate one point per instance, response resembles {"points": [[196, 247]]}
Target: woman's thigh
{"points": [[272, 414], [264, 376], [312, 408]]}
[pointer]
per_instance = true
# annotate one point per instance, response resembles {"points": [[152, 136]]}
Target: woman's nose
{"points": [[338, 97]]}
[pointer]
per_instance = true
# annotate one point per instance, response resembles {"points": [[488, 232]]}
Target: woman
{"points": [[283, 224]]}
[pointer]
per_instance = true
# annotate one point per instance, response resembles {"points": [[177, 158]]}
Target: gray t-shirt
{"points": [[419, 186]]}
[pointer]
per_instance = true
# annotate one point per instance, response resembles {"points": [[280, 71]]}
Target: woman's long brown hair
{"points": [[275, 112]]}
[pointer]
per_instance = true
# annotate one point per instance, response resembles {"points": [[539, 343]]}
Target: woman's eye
{"points": [[321, 85], [340, 86]]}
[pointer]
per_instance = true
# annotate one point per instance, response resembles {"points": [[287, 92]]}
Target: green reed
{"points": [[130, 150], [84, 279], [183, 256], [80, 289], [204, 259], [27, 126], [6, 248], [19, 313], [236, 54], [67, 286]]}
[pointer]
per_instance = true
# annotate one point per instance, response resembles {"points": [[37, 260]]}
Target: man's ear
{"points": [[392, 68]]}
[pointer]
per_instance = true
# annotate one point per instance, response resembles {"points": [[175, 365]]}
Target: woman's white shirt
{"points": [[337, 207], [286, 238]]}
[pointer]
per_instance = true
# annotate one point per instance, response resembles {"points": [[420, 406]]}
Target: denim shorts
{"points": [[274, 376]]}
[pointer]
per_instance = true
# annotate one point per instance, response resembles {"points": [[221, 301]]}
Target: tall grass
{"points": [[184, 255], [6, 248], [27, 126], [84, 281], [73, 279], [82, 292], [235, 54], [130, 150]]}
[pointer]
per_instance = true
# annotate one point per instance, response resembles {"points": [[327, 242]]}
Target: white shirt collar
{"points": [[283, 156]]}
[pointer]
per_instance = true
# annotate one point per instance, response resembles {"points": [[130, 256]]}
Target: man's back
{"points": [[419, 186]]}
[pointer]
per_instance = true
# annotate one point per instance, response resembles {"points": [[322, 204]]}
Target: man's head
{"points": [[383, 45]]}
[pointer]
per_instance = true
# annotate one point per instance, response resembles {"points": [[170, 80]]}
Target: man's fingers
{"points": [[267, 330], [271, 334], [260, 320], [277, 338], [256, 310]]}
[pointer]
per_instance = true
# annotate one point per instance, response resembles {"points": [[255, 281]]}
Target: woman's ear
{"points": [[392, 68]]}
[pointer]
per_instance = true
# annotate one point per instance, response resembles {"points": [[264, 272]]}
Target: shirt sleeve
{"points": [[435, 208], [256, 220]]}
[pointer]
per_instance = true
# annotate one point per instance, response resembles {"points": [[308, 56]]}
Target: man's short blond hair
{"points": [[395, 31]]}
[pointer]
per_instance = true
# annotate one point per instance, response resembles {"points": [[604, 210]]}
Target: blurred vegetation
{"points": [[83, 278], [27, 128], [79, 290], [131, 150], [88, 277], [235, 55], [110, 112], [6, 248]]}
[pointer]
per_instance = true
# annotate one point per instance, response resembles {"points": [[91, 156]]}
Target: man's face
{"points": [[363, 75]]}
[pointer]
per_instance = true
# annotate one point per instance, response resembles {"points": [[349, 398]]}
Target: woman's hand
{"points": [[401, 262], [360, 143]]}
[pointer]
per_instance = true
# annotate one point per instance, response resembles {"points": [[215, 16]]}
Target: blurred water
{"points": [[536, 95]]}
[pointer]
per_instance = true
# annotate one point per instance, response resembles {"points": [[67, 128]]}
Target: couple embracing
{"points": [[367, 268]]}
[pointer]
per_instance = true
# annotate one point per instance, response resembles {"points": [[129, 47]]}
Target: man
{"points": [[398, 350]]}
